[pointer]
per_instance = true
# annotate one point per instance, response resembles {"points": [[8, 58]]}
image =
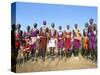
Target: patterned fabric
{"points": [[43, 38], [34, 32], [91, 34], [60, 39], [76, 43], [52, 41], [77, 38], [85, 42], [91, 40], [68, 40]]}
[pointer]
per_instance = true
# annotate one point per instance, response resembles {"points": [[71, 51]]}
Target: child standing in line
{"points": [[76, 41], [91, 34], [43, 40], [27, 35], [52, 41], [85, 41], [67, 42], [34, 33], [60, 41]]}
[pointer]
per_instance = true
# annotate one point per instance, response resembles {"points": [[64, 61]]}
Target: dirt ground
{"points": [[55, 64]]}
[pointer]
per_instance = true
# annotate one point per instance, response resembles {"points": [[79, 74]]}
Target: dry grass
{"points": [[56, 64]]}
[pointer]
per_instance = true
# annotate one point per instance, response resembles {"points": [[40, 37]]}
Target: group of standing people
{"points": [[36, 42]]}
